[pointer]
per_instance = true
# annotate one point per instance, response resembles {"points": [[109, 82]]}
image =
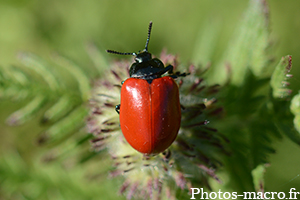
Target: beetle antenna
{"points": [[120, 53], [134, 54], [148, 38]]}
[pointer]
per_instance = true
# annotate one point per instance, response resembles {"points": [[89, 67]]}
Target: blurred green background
{"points": [[43, 27]]}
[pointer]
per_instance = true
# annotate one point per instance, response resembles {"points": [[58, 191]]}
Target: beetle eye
{"points": [[143, 57], [138, 59]]}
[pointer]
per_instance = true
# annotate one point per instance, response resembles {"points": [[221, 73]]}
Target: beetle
{"points": [[150, 110]]}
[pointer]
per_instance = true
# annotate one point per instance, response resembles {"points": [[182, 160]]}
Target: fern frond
{"points": [[25, 113], [42, 68], [59, 109], [40, 83], [63, 128], [78, 73], [97, 57], [47, 181]]}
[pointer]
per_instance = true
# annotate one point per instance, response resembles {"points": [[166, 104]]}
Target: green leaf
{"points": [[279, 78], [250, 126], [295, 109], [258, 177], [295, 105], [247, 49], [297, 123], [205, 43], [283, 119]]}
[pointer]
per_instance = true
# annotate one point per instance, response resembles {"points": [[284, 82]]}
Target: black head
{"points": [[145, 66]]}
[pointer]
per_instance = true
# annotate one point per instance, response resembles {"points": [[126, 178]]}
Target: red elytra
{"points": [[150, 113]]}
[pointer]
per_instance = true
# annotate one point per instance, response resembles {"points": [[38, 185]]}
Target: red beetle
{"points": [[150, 111]]}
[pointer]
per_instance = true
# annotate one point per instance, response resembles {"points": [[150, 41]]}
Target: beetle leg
{"points": [[118, 108], [178, 74], [182, 107], [119, 86], [166, 155], [169, 69]]}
